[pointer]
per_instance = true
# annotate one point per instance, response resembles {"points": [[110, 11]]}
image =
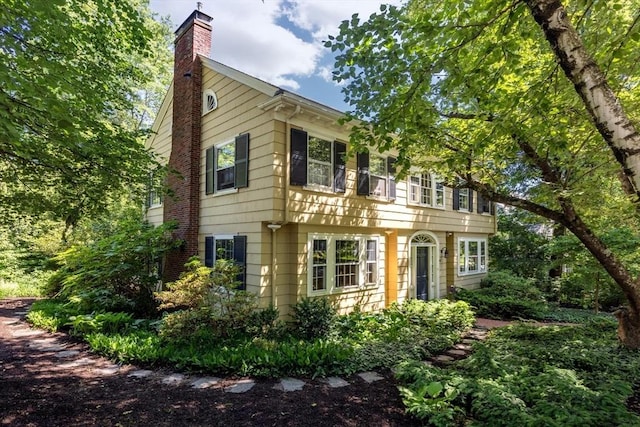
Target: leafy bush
{"points": [[312, 318], [529, 375], [120, 263], [108, 323], [209, 307], [50, 315], [506, 296]]}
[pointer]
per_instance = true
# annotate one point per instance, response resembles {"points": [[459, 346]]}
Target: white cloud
{"points": [[279, 41]]}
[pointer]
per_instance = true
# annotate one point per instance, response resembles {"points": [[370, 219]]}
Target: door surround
{"points": [[425, 239]]}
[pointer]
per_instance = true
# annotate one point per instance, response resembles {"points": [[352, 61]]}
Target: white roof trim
{"points": [[232, 73]]}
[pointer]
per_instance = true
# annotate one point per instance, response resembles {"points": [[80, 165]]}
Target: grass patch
{"points": [[22, 273]]}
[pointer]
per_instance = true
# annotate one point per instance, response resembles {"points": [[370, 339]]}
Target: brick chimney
{"points": [[193, 38]]}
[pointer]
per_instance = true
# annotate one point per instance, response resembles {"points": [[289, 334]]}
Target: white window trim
{"points": [[434, 182], [482, 268], [331, 288], [205, 104]]}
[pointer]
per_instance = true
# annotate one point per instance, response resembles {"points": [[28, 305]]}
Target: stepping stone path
{"points": [[461, 350], [76, 358]]}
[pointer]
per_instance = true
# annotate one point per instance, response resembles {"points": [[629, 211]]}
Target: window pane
{"points": [[439, 194], [319, 273], [226, 156], [319, 173], [224, 249], [319, 149], [377, 186], [377, 165], [372, 262], [462, 257], [346, 263]]}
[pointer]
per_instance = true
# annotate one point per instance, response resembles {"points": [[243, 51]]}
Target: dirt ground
{"points": [[39, 388]]}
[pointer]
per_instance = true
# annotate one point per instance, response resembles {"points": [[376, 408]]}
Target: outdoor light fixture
{"points": [[444, 252]]}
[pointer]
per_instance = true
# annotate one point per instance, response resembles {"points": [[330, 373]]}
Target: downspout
{"points": [[274, 257]]}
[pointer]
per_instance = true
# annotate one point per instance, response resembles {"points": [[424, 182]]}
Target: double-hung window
{"points": [[426, 190], [320, 170], [472, 256], [342, 263], [463, 199], [376, 176], [227, 247], [317, 163], [227, 165]]}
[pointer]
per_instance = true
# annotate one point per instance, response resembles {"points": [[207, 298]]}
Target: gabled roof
{"points": [[268, 88], [279, 95]]}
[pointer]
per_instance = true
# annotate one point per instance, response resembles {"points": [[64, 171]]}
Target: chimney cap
{"points": [[196, 15]]}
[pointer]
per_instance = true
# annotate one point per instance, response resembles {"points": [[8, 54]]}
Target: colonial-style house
{"points": [[262, 178]]}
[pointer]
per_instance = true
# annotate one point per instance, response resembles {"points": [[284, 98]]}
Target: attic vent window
{"points": [[209, 101]]}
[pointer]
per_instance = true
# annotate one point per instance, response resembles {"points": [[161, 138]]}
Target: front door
{"points": [[422, 272]]}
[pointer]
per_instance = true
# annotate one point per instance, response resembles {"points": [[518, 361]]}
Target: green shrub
{"points": [[312, 318], [505, 296], [121, 263], [209, 306]]}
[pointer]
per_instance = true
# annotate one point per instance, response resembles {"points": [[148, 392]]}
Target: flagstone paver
{"points": [[289, 384], [67, 353], [336, 382], [205, 382], [19, 333], [457, 353], [173, 379], [241, 386], [109, 370], [370, 376], [140, 373], [78, 362]]}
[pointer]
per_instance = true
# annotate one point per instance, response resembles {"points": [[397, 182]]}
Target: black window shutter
{"points": [[242, 161], [209, 171], [363, 174], [240, 258], [208, 251], [456, 199], [298, 173], [492, 208], [339, 167], [391, 169], [481, 204], [470, 200]]}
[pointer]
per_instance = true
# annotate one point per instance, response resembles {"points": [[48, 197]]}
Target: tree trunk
{"points": [[617, 130], [628, 317], [628, 328], [589, 81]]}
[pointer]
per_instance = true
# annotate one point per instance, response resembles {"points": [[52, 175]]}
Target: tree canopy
{"points": [[76, 77], [528, 102]]}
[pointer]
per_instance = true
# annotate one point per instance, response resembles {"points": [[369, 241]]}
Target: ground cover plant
{"points": [[209, 326], [530, 375]]}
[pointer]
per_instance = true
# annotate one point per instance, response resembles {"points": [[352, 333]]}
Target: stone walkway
{"points": [[72, 358]]}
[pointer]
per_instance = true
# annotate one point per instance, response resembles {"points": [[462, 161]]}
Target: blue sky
{"points": [[279, 41]]}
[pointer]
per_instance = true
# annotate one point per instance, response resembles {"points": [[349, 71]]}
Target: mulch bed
{"points": [[36, 390]]}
